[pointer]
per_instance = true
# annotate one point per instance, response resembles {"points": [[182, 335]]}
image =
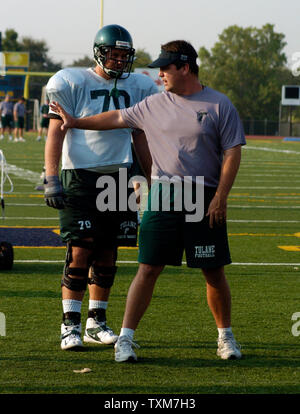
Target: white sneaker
{"points": [[70, 337], [124, 351], [228, 348], [2, 136], [99, 333], [10, 138], [21, 139], [38, 138], [15, 140]]}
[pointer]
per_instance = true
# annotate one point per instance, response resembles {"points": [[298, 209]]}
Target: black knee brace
{"points": [[72, 283], [102, 276], [80, 282]]}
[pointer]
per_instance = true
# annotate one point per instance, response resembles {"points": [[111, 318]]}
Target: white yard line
{"points": [[263, 221], [25, 205], [282, 180], [274, 207], [249, 174], [247, 147], [25, 174], [283, 197], [230, 221], [135, 262], [31, 218], [26, 185], [264, 188]]}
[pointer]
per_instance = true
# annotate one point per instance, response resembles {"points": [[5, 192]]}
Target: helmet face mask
{"points": [[104, 54], [108, 44]]}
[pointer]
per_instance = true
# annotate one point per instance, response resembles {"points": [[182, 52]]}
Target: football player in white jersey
{"points": [[92, 235]]}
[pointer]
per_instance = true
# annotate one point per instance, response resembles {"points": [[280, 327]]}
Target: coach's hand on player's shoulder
{"points": [[68, 120], [54, 192]]}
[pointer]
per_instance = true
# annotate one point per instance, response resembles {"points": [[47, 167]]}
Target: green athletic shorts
{"points": [[7, 121], [45, 122], [165, 235], [82, 219], [20, 122]]}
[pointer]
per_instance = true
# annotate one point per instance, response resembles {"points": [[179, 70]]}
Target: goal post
{"points": [[2, 64]]}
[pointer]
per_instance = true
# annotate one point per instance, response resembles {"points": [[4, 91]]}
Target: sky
{"points": [[69, 26]]}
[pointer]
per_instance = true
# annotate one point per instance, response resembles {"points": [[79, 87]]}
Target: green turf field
{"points": [[177, 335]]}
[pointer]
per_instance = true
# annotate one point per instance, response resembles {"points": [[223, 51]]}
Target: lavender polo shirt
{"points": [[187, 135]]}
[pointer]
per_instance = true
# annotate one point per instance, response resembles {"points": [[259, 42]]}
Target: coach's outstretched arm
{"points": [[103, 121]]}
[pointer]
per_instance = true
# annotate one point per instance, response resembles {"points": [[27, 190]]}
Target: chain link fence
{"points": [[271, 128]]}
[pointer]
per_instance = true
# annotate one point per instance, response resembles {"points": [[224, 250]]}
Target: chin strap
{"points": [[115, 91]]}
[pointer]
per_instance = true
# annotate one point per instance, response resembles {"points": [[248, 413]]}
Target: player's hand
{"points": [[54, 193], [68, 120], [217, 211]]}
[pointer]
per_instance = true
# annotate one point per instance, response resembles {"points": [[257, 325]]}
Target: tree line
{"points": [[247, 64], [250, 67], [40, 61]]}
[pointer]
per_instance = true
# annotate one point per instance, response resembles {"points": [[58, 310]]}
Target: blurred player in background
{"points": [[7, 119], [44, 124], [19, 118], [92, 236]]}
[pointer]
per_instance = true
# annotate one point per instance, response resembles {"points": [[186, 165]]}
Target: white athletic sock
{"points": [[71, 305], [97, 304], [224, 331], [127, 332]]}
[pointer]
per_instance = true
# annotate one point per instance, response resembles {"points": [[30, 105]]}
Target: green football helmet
{"points": [[113, 37]]}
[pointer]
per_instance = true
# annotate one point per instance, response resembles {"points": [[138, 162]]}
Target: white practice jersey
{"points": [[82, 92]]}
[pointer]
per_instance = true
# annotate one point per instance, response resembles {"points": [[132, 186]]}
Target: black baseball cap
{"points": [[166, 58]]}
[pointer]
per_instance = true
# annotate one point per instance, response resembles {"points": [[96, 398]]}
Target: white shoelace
{"points": [[126, 342], [228, 340]]}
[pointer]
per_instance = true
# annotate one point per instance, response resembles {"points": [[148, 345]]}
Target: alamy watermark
{"points": [[167, 193], [296, 64], [2, 324], [296, 325]]}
